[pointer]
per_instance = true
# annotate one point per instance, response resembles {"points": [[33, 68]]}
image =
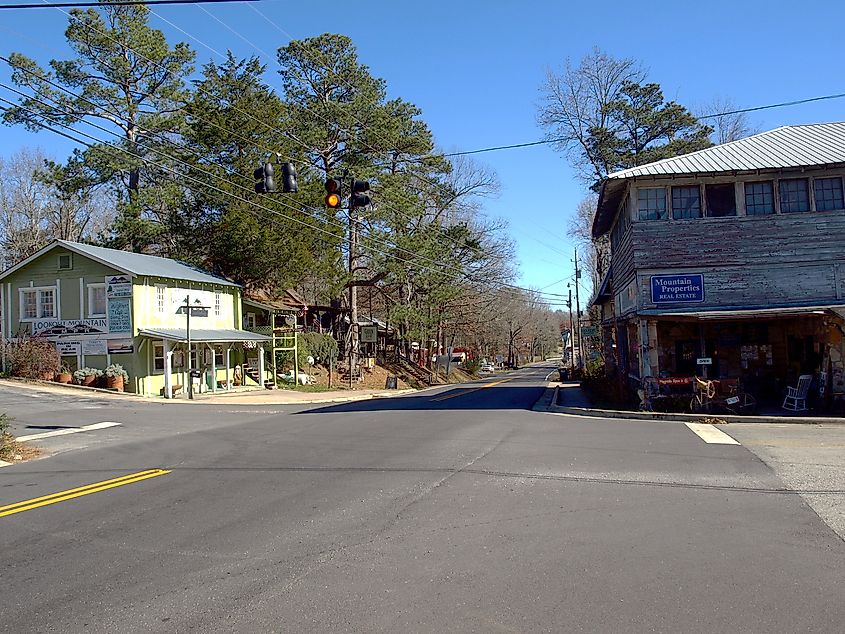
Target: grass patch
{"points": [[10, 449], [307, 388]]}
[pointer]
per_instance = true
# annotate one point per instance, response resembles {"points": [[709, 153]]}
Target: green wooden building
{"points": [[102, 306]]}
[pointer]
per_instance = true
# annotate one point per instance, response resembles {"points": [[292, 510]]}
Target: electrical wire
{"points": [[119, 3], [290, 218], [264, 123]]}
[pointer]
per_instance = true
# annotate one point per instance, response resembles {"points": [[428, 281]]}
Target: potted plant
{"points": [[87, 376], [116, 377], [64, 375]]}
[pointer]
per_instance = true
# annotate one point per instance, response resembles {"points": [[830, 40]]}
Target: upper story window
{"points": [[38, 303], [760, 198], [651, 203], [217, 300], [721, 200], [96, 300], [794, 195], [828, 194], [65, 262], [686, 202], [161, 295]]}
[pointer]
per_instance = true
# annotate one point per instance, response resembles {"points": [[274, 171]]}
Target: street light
{"points": [[189, 308]]}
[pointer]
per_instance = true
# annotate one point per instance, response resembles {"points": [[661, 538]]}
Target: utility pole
{"points": [[357, 198], [578, 311], [571, 333], [353, 290]]}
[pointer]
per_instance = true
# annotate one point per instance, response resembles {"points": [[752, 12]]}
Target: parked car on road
{"points": [[487, 367]]}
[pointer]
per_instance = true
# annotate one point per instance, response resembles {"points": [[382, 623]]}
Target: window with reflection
{"points": [[686, 202], [794, 195], [651, 203], [759, 198]]}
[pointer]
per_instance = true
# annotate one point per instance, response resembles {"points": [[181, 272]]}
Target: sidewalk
{"points": [[569, 398], [252, 397]]}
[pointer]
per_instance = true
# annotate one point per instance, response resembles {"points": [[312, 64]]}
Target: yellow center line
{"points": [[61, 496], [445, 398]]}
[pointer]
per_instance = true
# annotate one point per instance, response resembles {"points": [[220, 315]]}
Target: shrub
{"points": [[79, 375], [115, 370], [472, 365], [32, 357]]}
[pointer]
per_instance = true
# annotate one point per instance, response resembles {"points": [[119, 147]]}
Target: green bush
{"points": [[321, 347], [79, 375], [472, 365], [115, 370]]}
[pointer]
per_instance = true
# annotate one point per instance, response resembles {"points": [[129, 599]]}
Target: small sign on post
{"points": [[704, 361]]}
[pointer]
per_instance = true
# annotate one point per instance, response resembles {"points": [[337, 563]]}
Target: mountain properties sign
{"points": [[677, 289]]}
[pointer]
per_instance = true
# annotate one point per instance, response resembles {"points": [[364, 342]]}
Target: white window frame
{"points": [[219, 355], [158, 344], [91, 289], [39, 304], [59, 266], [218, 299], [161, 299], [249, 321]]}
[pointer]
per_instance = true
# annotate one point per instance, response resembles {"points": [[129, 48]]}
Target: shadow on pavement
{"points": [[509, 396]]}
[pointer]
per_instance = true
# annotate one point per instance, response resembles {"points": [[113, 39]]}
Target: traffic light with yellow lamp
{"points": [[333, 195]]}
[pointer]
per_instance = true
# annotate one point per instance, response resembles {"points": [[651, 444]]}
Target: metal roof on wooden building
{"points": [[787, 147]]}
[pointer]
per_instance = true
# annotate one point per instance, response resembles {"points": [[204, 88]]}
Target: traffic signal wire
{"points": [[464, 274], [171, 142], [265, 124]]}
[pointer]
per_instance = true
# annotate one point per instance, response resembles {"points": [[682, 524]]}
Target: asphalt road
{"points": [[456, 509]]}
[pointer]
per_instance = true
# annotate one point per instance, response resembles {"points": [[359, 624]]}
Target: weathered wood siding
{"points": [[746, 261], [622, 247]]}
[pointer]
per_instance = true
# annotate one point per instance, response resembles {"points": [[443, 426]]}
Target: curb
{"points": [[547, 403]]}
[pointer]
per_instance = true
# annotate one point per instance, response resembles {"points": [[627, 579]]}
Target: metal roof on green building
{"points": [[132, 263]]}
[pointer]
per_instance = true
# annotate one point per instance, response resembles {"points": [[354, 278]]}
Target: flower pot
{"points": [[89, 380], [114, 383], [64, 377]]}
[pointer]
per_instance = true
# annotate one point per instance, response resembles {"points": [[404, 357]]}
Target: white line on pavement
{"points": [[64, 432], [711, 435]]}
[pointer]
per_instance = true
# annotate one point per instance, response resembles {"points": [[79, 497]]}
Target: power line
{"points": [[709, 116], [441, 231], [119, 3], [464, 274]]}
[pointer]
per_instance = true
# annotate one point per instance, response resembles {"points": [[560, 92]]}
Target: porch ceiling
{"points": [[754, 313], [203, 335]]}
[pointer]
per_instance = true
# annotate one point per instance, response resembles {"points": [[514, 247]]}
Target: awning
{"points": [[203, 335], [749, 313]]}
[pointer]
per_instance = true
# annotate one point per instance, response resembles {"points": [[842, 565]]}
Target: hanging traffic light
{"points": [[264, 179], [289, 185], [333, 195], [358, 197]]}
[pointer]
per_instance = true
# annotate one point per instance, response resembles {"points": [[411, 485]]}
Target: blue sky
{"points": [[474, 68]]}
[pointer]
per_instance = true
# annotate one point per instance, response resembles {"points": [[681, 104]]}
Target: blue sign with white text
{"points": [[677, 289]]}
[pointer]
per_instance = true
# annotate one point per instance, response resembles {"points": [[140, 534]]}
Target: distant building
{"points": [[729, 262], [103, 306]]}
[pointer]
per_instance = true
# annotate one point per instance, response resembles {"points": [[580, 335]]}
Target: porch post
{"points": [[653, 351], [213, 368], [644, 348], [168, 369], [261, 363], [228, 365]]}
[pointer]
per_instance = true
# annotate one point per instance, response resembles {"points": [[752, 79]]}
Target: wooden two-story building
{"points": [[730, 262]]}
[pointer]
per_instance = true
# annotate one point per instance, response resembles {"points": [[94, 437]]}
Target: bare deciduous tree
{"points": [[42, 201], [574, 102], [728, 125]]}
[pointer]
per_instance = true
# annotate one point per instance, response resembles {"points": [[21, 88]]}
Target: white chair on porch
{"points": [[796, 397]]}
